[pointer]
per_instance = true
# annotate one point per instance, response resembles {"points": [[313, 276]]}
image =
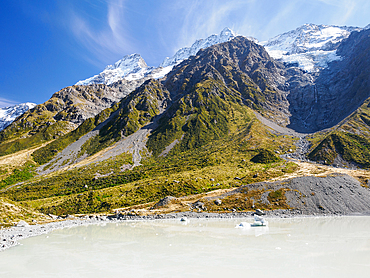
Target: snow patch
{"points": [[9, 114]]}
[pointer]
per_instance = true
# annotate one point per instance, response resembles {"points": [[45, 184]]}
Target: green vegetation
{"points": [[19, 175], [214, 165], [91, 177], [352, 147], [203, 115], [265, 156], [44, 135], [249, 199]]}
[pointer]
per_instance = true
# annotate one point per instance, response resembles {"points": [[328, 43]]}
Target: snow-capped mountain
{"points": [[133, 67], [9, 114], [310, 46], [184, 53], [130, 67]]}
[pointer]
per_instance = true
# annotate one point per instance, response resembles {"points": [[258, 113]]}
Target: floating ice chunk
{"points": [[243, 225]]}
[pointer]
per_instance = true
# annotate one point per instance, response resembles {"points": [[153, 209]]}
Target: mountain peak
{"points": [[131, 66], [227, 32], [128, 60], [184, 53]]}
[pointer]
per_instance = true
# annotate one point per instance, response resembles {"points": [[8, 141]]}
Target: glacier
{"points": [[311, 47]]}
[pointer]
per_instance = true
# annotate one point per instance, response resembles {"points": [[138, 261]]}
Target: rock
{"points": [[212, 179], [255, 175], [198, 205], [259, 212], [22, 224], [218, 202], [237, 178], [165, 201]]}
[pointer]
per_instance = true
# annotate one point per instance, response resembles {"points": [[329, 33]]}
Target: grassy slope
{"points": [[350, 139], [204, 168]]}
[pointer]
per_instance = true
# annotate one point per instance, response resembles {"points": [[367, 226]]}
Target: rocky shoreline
{"points": [[10, 237]]}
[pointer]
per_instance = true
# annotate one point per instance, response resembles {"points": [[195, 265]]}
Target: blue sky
{"points": [[46, 45]]}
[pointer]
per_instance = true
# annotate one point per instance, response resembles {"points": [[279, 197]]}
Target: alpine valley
{"points": [[228, 124]]}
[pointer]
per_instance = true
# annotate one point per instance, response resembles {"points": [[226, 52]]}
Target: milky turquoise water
{"points": [[301, 247]]}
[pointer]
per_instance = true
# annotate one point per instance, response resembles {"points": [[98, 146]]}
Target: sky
{"points": [[46, 45]]}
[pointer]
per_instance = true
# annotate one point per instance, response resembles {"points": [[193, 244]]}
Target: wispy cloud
{"points": [[343, 12], [6, 102], [199, 19], [107, 40]]}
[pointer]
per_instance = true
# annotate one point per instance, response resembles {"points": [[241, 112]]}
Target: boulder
{"points": [[22, 224], [165, 201]]}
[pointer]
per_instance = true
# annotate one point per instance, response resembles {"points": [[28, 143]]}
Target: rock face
{"points": [[335, 92], [239, 71], [307, 87]]}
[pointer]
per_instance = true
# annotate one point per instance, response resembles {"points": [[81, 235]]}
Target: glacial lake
{"points": [[300, 247]]}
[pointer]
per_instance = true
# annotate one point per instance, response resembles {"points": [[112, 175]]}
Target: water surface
{"points": [[301, 247]]}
